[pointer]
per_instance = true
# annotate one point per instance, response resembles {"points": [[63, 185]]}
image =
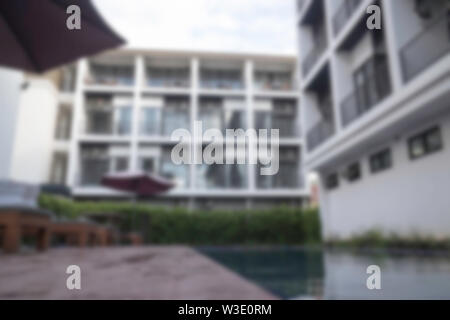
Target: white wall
{"points": [[10, 83], [35, 129], [412, 196]]}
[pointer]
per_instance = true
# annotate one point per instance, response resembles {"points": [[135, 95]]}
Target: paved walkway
{"points": [[156, 272]]}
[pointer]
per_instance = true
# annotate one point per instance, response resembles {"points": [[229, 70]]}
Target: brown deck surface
{"points": [[154, 272]]}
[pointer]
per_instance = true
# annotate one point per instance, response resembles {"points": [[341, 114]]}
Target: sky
{"points": [[266, 26]]}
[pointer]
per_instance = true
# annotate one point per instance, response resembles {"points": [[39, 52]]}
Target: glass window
{"points": [[100, 121], [121, 164], [332, 181], [124, 121], [381, 161], [63, 123], [177, 173], [288, 172], [211, 114], [175, 116], [425, 143], [150, 122], [59, 168], [353, 172], [148, 165]]}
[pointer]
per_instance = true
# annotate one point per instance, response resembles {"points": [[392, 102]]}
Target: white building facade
{"points": [[116, 112], [376, 114]]}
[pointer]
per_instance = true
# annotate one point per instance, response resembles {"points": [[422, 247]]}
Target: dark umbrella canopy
{"points": [[141, 184], [34, 36]]}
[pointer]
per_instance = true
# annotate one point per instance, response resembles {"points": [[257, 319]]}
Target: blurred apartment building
{"points": [[376, 114], [116, 112]]}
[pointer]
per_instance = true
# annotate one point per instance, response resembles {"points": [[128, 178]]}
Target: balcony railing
{"points": [[287, 127], [169, 78], [111, 75], [286, 178], [366, 96], [426, 48], [316, 52], [221, 79], [319, 134], [93, 170], [343, 14], [100, 122]]}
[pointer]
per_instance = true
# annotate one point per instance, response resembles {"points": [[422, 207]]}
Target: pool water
{"points": [[299, 273]]}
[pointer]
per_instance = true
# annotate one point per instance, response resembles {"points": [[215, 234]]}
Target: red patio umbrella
{"points": [[139, 183], [34, 35]]}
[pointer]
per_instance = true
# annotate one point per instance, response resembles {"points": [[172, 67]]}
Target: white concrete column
{"points": [[195, 80], [249, 97], [73, 172], [334, 89], [139, 76], [388, 27], [334, 72]]}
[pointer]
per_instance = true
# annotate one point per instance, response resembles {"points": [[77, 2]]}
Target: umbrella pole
{"points": [[133, 219]]}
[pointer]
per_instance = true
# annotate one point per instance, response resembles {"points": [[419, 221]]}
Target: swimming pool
{"points": [[301, 273]]}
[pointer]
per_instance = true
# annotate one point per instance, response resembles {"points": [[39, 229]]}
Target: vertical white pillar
{"points": [[139, 75], [73, 172], [334, 67], [388, 26], [249, 97], [195, 76]]}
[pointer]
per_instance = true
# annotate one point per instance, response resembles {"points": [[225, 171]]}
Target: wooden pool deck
{"points": [[152, 272]]}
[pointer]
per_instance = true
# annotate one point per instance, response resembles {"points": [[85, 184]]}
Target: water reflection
{"points": [[296, 273]]}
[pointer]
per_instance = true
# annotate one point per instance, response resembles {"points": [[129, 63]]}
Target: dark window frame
{"points": [[353, 172], [423, 139], [384, 158], [332, 181]]}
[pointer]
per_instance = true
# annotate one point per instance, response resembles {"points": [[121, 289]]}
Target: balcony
{"points": [[168, 78], [344, 13], [222, 176], [221, 79], [222, 114], [273, 81], [426, 48], [316, 52], [111, 75], [97, 161], [108, 120], [319, 134], [92, 171], [288, 176], [375, 88]]}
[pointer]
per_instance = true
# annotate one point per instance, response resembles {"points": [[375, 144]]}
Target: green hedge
{"points": [[376, 239], [179, 226]]}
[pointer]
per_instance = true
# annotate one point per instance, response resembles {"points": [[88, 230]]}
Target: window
{"points": [[175, 115], [124, 121], [63, 123], [59, 168], [148, 165], [425, 143], [381, 161], [121, 164], [353, 172], [332, 181], [150, 121]]}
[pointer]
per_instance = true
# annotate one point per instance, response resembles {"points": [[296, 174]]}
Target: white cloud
{"points": [[229, 25]]}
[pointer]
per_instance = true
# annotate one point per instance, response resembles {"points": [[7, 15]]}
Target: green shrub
{"points": [[278, 226], [379, 240]]}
